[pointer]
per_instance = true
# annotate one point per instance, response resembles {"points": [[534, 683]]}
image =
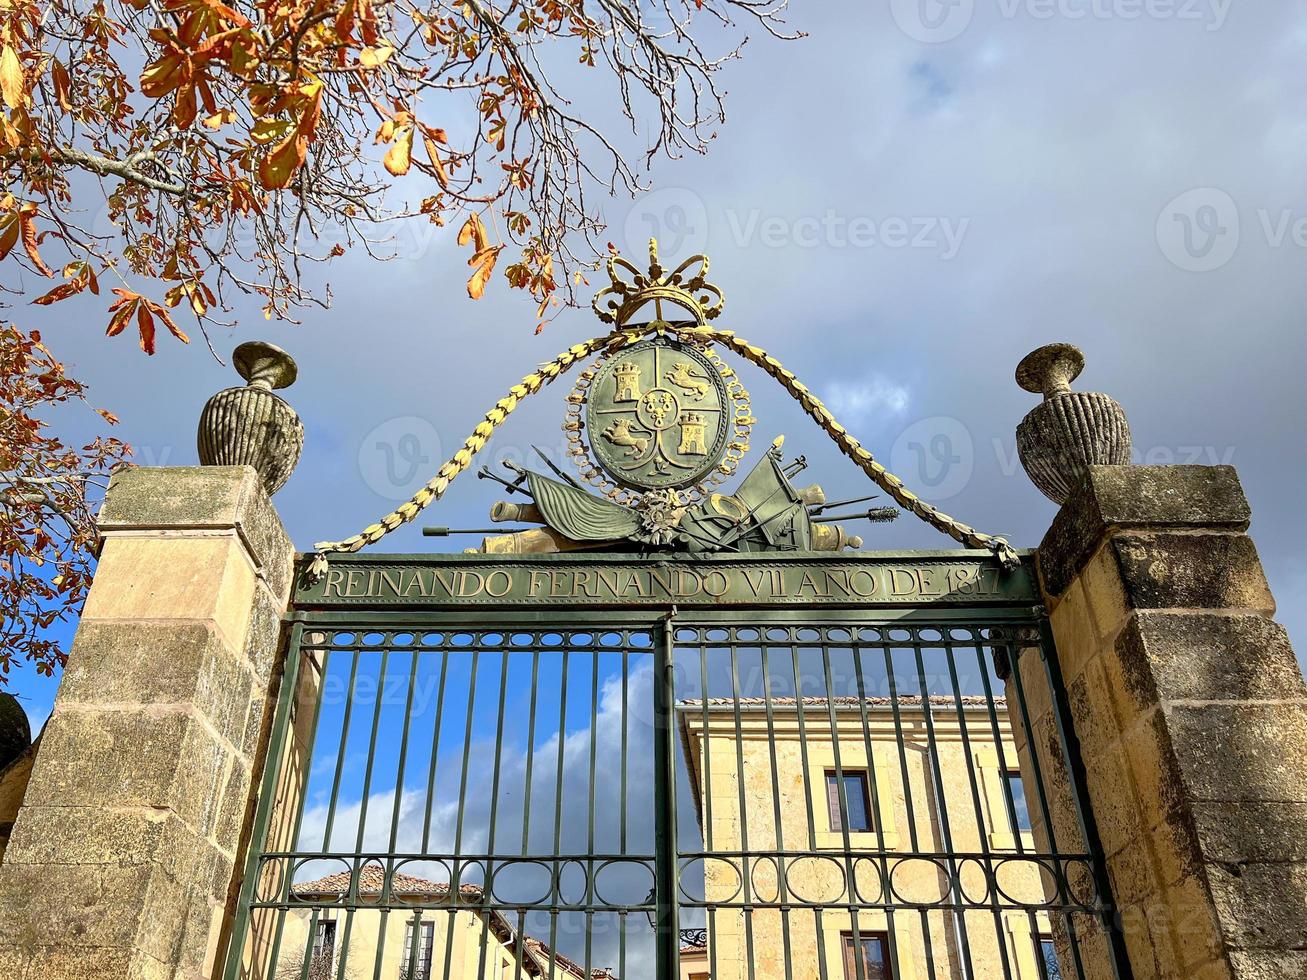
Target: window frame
{"points": [[833, 805], [848, 951], [880, 797]]}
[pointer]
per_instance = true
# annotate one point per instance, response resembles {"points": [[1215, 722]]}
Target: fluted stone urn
{"points": [[251, 425], [1071, 430]]}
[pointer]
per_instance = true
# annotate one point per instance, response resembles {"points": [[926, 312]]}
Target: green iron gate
{"points": [[855, 766]]}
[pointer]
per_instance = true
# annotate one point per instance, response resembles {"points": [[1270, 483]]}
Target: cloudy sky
{"points": [[900, 207]]}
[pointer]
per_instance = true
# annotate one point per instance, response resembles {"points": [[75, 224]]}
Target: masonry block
{"points": [[1192, 714], [123, 852]]}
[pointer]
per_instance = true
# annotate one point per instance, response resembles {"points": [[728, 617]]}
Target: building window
{"points": [[856, 794], [872, 948], [1020, 810], [1047, 956], [423, 960], [324, 949]]}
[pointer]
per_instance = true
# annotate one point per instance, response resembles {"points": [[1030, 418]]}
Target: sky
{"points": [[899, 206]]}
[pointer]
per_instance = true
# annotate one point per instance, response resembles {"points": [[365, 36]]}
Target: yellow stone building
{"points": [[771, 791], [481, 945]]}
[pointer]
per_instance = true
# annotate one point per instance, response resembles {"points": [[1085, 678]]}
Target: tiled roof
{"points": [[569, 967], [370, 880]]}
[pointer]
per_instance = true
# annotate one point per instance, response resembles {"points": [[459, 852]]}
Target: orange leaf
{"points": [[345, 20], [11, 78], [399, 157], [122, 312], [9, 237], [476, 285], [473, 231], [62, 85], [436, 164], [278, 168], [168, 322], [61, 291], [145, 323], [28, 226]]}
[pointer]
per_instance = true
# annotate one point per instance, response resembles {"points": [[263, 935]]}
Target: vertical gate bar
{"points": [[842, 796], [414, 945], [710, 916], [855, 649], [803, 746], [403, 749], [307, 962], [1008, 801], [626, 725], [746, 873], [340, 757], [267, 790], [456, 872], [941, 806], [782, 888], [1070, 745], [381, 937], [530, 749], [964, 727], [344, 946], [899, 739], [808, 786], [666, 898], [487, 884], [430, 801], [372, 757], [590, 826]]}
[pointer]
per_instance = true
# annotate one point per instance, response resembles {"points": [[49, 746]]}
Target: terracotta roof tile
{"points": [[569, 967], [371, 877], [904, 700]]}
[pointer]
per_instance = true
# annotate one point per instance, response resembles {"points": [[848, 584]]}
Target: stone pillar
{"points": [[1192, 716], [122, 856]]}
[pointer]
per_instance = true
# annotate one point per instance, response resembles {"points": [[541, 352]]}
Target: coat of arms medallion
{"points": [[661, 415]]}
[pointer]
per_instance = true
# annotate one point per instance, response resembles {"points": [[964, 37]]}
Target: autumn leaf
{"points": [[473, 231], [278, 168], [62, 85], [484, 260], [375, 57], [11, 78], [437, 165], [399, 157], [145, 324]]}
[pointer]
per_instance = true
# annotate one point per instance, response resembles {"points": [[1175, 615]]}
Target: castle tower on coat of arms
{"points": [[626, 380], [692, 435]]}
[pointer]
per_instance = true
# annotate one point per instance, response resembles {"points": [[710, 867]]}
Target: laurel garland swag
{"points": [[613, 342]]}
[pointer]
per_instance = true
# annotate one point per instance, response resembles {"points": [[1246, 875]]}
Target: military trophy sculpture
{"points": [[653, 427]]}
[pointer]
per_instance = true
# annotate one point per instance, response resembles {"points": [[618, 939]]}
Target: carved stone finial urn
{"points": [[1071, 430], [251, 426]]}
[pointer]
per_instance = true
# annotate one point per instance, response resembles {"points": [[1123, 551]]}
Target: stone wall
{"points": [[1192, 716], [122, 857]]}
